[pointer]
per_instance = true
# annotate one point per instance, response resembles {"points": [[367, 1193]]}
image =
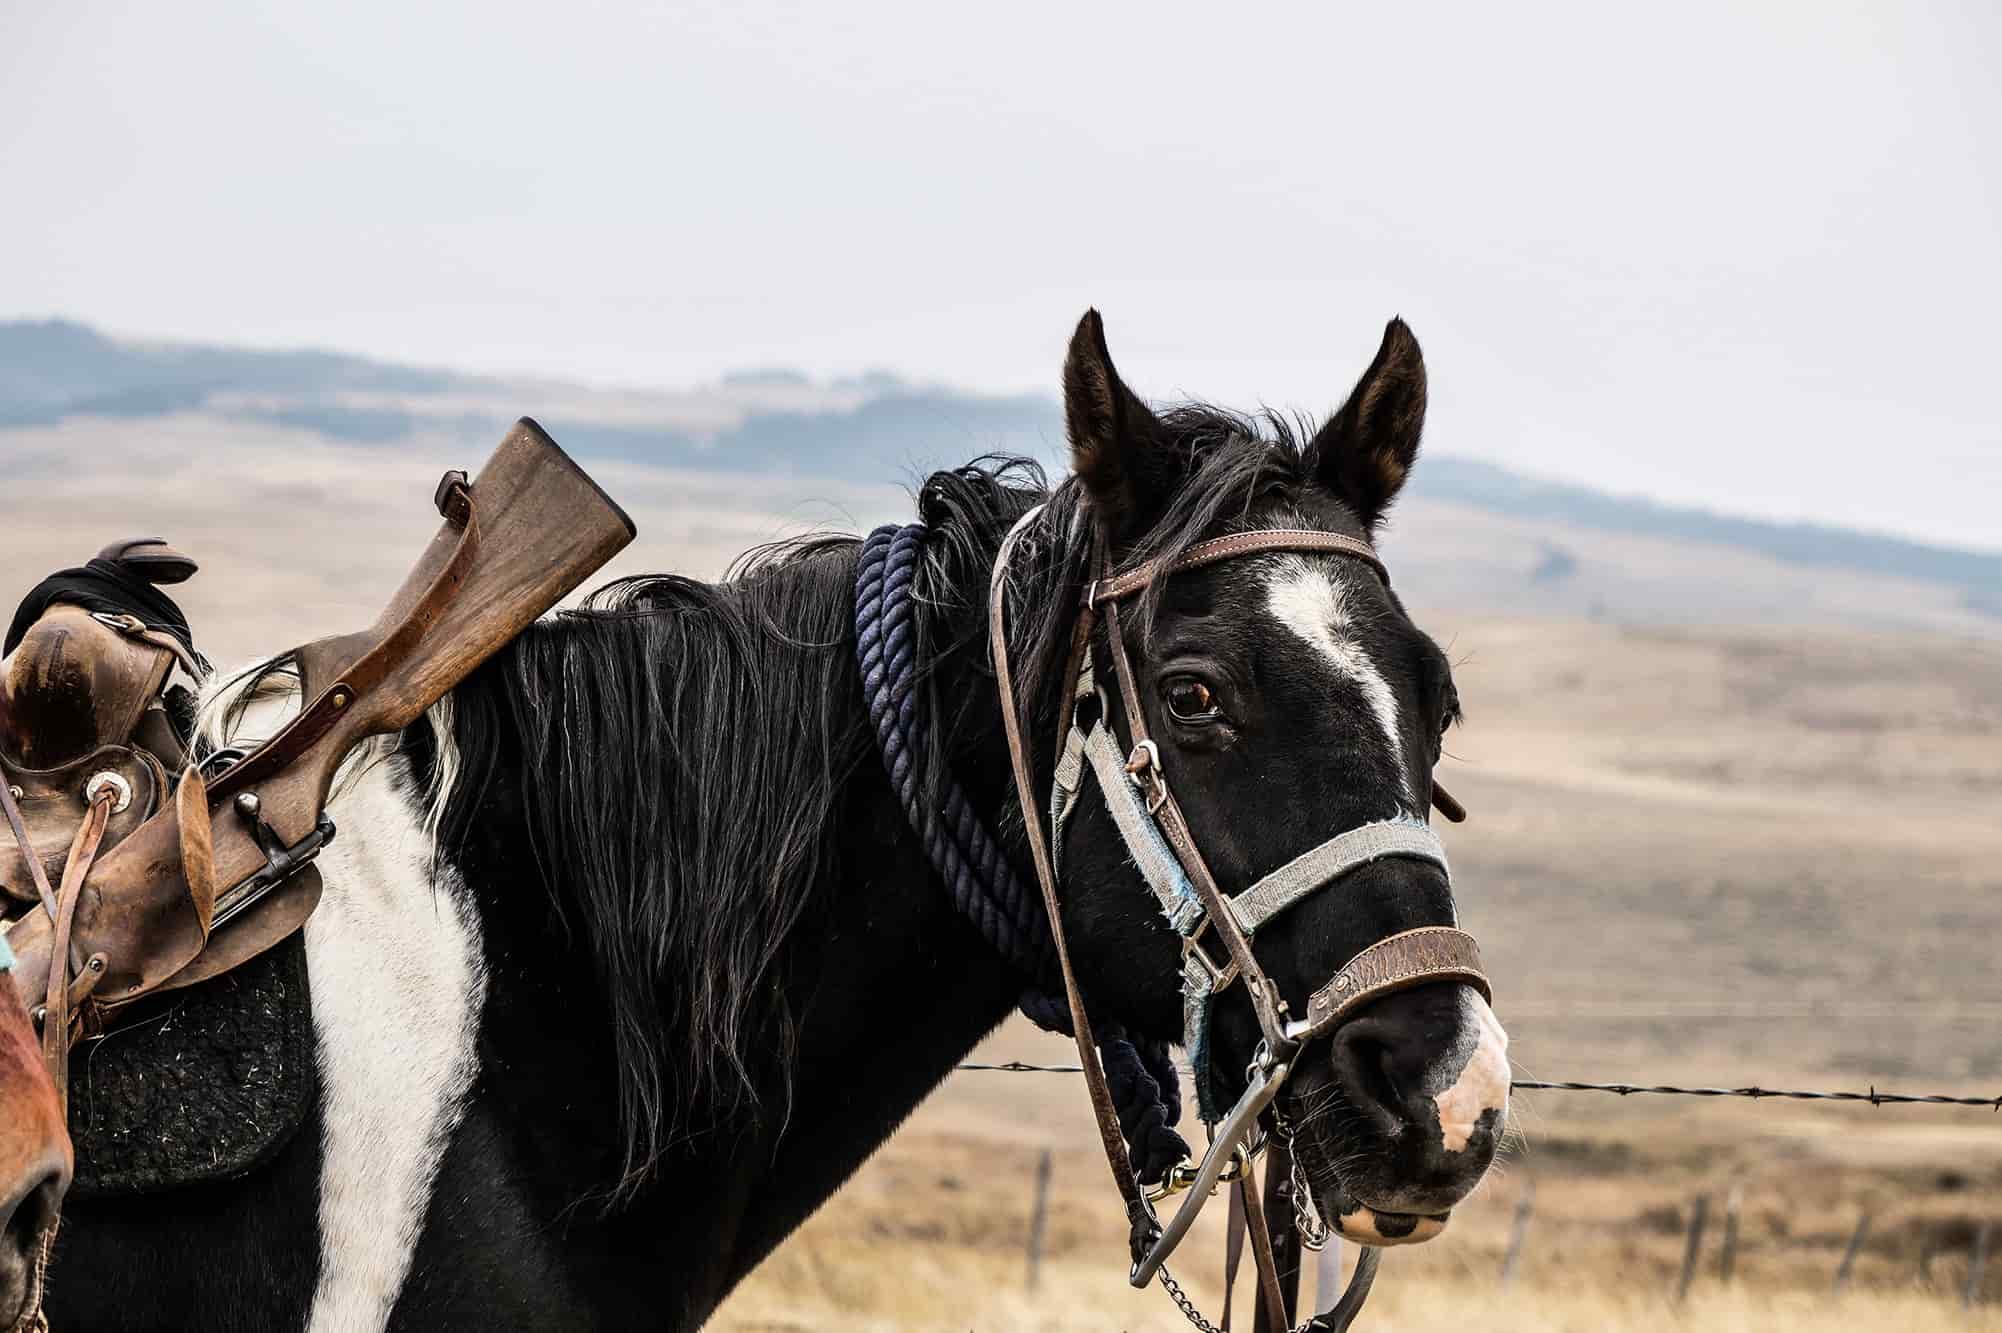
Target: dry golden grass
{"points": [[952, 1296], [931, 1235]]}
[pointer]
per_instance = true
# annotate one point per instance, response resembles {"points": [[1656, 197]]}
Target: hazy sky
{"points": [[1749, 257]]}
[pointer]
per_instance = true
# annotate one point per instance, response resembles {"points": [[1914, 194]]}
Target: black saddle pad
{"points": [[205, 1084]]}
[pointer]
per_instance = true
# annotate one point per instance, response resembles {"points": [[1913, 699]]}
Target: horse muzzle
{"points": [[1410, 1098]]}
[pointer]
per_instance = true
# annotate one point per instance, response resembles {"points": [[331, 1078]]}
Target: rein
{"points": [[1153, 824]]}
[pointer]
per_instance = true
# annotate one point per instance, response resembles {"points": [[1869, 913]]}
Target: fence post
{"points": [[1928, 1246], [1727, 1258], [1975, 1264], [1038, 1217], [1847, 1267], [1517, 1233], [1698, 1216]]}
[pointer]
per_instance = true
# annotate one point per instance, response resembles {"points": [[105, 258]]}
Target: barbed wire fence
{"points": [[1872, 1095], [1969, 1289]]}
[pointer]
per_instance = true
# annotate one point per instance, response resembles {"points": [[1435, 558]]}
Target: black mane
{"points": [[682, 746]]}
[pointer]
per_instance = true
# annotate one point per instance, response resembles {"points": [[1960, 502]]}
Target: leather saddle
{"points": [[82, 701], [207, 1083], [216, 882]]}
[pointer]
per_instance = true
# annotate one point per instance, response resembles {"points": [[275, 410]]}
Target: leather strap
{"points": [[132, 627], [1112, 589], [1287, 1251], [191, 803], [1175, 828], [1414, 958], [56, 1007], [1139, 1213], [1233, 1250], [20, 830], [1261, 1253]]}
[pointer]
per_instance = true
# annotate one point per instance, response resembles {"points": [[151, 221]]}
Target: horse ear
{"points": [[1117, 447], [1365, 451]]}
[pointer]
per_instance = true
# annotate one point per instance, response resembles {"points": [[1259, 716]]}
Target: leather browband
{"points": [[1236, 544]]}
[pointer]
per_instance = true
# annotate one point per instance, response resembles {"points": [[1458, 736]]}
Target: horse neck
{"points": [[881, 985], [905, 983]]}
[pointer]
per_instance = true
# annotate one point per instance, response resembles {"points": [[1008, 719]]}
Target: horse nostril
{"points": [[1365, 1067], [25, 1225], [36, 1210]]}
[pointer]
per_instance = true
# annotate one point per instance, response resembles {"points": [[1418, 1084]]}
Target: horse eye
{"points": [[1190, 700], [1449, 711]]}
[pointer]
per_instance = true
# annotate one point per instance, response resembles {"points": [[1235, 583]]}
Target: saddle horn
{"points": [[151, 559]]}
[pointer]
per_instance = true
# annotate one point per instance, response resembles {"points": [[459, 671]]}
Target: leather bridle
{"points": [[1191, 898]]}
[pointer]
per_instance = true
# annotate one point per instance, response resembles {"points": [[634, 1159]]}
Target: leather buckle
{"points": [[1143, 766], [124, 624], [1220, 977], [1183, 1174], [454, 498], [281, 861]]}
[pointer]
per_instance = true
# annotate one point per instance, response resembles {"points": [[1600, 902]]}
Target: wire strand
{"points": [[1873, 1096]]}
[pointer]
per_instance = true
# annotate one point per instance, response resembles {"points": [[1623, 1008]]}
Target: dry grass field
{"points": [[1753, 852]]}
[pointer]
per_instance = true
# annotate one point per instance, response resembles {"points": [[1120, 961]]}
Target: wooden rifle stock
{"points": [[526, 532]]}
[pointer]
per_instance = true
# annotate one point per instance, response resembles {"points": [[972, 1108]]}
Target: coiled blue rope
{"points": [[983, 885]]}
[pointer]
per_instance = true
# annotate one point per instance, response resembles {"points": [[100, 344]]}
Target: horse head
{"points": [[1291, 699]]}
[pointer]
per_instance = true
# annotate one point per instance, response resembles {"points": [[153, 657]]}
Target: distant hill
{"points": [[1497, 489], [760, 420], [53, 369], [779, 422]]}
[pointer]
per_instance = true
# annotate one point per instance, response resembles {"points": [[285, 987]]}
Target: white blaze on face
{"points": [[1481, 1086], [1313, 604]]}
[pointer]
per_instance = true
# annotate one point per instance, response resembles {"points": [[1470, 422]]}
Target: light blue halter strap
{"points": [[6, 954], [1404, 836], [1142, 836], [1312, 870]]}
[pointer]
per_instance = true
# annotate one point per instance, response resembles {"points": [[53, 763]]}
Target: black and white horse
{"points": [[628, 957]]}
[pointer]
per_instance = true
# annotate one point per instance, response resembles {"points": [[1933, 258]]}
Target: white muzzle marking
{"points": [[1483, 1082]]}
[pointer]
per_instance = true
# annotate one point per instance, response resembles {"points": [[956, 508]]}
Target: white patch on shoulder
{"points": [[398, 982], [1313, 604]]}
